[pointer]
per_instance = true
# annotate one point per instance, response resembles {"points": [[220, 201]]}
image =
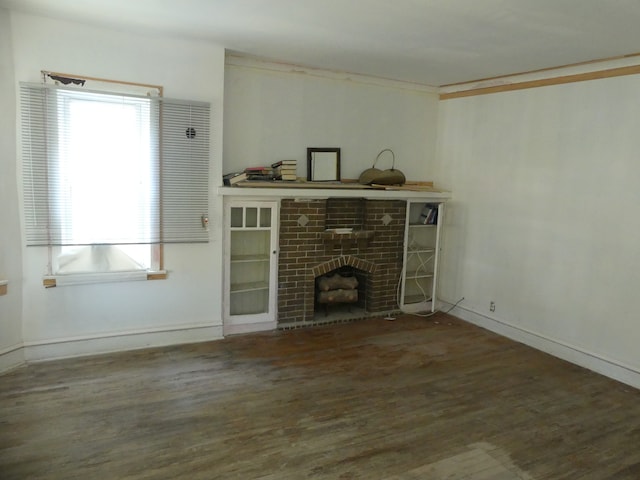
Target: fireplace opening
{"points": [[341, 291]]}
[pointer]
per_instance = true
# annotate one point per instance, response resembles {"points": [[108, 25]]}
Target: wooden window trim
{"points": [[160, 275]]}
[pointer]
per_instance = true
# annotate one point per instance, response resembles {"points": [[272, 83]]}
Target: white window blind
{"points": [[102, 168], [185, 171]]}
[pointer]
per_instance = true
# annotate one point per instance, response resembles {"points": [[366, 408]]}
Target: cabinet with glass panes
{"points": [[250, 266], [420, 267]]}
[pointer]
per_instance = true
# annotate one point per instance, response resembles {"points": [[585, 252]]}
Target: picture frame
{"points": [[323, 164]]}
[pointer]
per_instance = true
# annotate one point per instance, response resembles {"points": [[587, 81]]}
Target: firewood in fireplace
{"points": [[338, 296], [335, 282]]}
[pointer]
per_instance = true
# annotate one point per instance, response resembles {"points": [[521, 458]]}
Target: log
{"points": [[338, 296], [335, 282]]}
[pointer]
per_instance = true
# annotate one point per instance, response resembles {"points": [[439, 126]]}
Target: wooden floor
{"points": [[375, 399]]}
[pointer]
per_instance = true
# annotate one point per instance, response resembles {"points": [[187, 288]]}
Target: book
{"points": [[268, 177], [233, 178], [429, 215], [284, 162], [258, 170], [282, 170]]}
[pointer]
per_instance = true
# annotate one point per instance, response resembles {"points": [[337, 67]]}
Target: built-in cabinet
{"points": [[251, 230], [251, 239], [421, 248]]}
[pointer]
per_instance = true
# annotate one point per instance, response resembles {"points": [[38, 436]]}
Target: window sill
{"points": [[91, 278]]}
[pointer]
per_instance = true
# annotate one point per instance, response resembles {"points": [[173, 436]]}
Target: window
{"points": [[105, 140], [97, 190]]}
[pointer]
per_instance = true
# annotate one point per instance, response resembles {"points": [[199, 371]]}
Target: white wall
{"points": [[544, 220], [72, 320], [10, 241], [272, 115]]}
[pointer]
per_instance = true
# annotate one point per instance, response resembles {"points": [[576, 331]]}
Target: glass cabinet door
{"points": [[421, 255], [251, 264]]}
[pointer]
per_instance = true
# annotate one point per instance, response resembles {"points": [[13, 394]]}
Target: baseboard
{"points": [[249, 327], [11, 357], [576, 355], [118, 342]]}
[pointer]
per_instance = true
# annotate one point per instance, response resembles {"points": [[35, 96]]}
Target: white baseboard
{"points": [[576, 355], [249, 327], [117, 342], [11, 357]]}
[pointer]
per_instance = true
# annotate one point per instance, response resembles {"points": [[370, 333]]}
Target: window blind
{"points": [[137, 171], [185, 171]]}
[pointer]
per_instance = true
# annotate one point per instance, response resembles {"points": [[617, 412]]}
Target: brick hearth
{"points": [[307, 250]]}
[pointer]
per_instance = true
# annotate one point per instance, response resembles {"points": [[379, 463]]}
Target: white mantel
{"points": [[391, 193]]}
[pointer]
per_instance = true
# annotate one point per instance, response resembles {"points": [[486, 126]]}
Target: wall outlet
{"points": [[492, 306]]}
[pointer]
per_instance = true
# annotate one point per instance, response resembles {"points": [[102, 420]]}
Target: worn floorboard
{"points": [[412, 398]]}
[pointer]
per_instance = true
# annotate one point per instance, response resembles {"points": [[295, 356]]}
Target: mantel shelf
{"points": [[337, 240], [356, 235], [318, 190]]}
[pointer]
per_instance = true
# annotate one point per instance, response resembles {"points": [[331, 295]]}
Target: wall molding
{"points": [[250, 328], [11, 357], [629, 65], [72, 347], [579, 356], [245, 61]]}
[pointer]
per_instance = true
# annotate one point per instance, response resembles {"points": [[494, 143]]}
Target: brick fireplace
{"points": [[309, 247]]}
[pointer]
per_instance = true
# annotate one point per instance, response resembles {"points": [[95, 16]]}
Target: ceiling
{"points": [[431, 42]]}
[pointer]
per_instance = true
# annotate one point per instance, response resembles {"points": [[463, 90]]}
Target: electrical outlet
{"points": [[492, 306]]}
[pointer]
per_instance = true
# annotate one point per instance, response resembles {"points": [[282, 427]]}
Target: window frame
{"points": [[157, 269]]}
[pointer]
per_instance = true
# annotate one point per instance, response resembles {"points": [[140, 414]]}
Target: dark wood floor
{"points": [[414, 398]]}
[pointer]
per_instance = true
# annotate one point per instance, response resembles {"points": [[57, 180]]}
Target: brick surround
{"points": [[307, 250]]}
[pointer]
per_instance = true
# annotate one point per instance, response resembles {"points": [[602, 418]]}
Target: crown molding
{"points": [[615, 67], [250, 62]]}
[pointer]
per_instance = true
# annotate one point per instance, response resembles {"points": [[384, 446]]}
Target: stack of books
{"points": [[259, 173], [285, 170], [233, 178]]}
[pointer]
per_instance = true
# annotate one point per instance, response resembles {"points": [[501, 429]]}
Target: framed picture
{"points": [[323, 164]]}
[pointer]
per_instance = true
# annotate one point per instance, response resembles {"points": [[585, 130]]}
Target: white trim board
{"points": [[251, 62], [11, 357], [239, 329], [578, 356], [119, 342]]}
